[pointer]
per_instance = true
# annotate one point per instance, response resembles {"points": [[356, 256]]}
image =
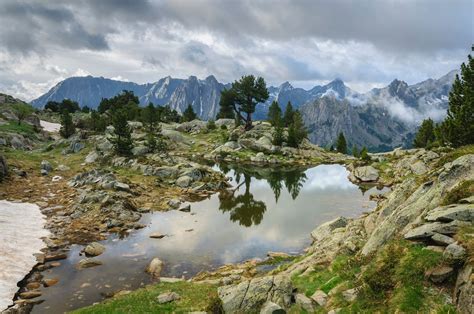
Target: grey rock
{"points": [[439, 274], [119, 186], [3, 168], [350, 295], [366, 174], [184, 181], [305, 302], [271, 308], [140, 150], [167, 297], [194, 126], [94, 249], [464, 212], [76, 146], [320, 297], [92, 157], [46, 166], [250, 295], [442, 239], [174, 203], [426, 231], [326, 228], [464, 290], [63, 168], [88, 262], [105, 146], [155, 267], [418, 168], [455, 253], [186, 208]]}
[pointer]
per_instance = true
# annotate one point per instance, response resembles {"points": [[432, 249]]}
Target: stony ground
{"points": [[420, 234]]}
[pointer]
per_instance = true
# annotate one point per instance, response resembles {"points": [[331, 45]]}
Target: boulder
{"points": [[186, 208], [119, 186], [88, 262], [76, 146], [105, 146], [439, 273], [320, 297], [155, 267], [46, 167], [366, 174], [441, 239], [271, 308], [418, 168], [250, 295], [426, 231], [17, 141], [464, 290], [194, 126], [229, 123], [350, 295], [167, 297], [304, 302], [140, 150], [184, 181], [326, 229], [94, 249], [464, 212], [455, 253], [91, 157], [174, 203]]}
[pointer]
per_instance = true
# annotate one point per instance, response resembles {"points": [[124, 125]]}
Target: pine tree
{"points": [[278, 137], [243, 97], [123, 138], [288, 116], [296, 131], [355, 151], [97, 122], [67, 126], [458, 127], [226, 104], [341, 144], [274, 113], [364, 154], [189, 114], [150, 117], [425, 135]]}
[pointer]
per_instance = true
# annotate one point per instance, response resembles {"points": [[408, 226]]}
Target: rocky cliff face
{"points": [[367, 125]]}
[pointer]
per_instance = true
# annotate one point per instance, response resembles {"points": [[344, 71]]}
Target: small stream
{"points": [[267, 210]]}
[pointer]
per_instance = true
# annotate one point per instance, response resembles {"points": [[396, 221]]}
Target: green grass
{"points": [[462, 190], [455, 154], [13, 127], [194, 297]]}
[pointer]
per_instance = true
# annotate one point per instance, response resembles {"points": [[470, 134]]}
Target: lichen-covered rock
{"points": [[464, 212], [426, 231], [419, 168], [441, 239], [455, 253], [366, 174], [326, 228], [251, 295], [94, 249], [304, 302], [464, 290]]}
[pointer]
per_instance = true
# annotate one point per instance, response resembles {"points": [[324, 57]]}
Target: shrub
{"points": [[211, 125]]}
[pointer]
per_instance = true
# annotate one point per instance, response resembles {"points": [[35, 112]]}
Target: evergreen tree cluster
{"points": [[292, 120], [67, 125], [65, 105], [458, 127]]}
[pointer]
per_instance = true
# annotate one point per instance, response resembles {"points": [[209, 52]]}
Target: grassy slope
{"points": [[194, 297]]}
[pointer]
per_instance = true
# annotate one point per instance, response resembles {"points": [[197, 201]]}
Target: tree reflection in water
{"points": [[244, 208]]}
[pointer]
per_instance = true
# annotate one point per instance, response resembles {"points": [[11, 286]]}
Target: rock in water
{"points": [[366, 174], [88, 262], [94, 249], [155, 267]]}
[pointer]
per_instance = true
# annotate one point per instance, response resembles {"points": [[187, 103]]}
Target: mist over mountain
{"points": [[382, 118]]}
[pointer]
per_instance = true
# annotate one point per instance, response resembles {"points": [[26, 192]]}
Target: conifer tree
{"points": [[364, 154], [425, 135], [226, 103], [123, 143], [67, 126], [274, 113], [341, 144], [288, 116], [189, 114], [296, 131], [278, 137], [458, 127], [355, 151]]}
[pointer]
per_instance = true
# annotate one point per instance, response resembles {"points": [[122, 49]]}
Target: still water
{"points": [[266, 210]]}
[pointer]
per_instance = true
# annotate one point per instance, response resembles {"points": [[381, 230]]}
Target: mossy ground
{"points": [[392, 281], [194, 297]]}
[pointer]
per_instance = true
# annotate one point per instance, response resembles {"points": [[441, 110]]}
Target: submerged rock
{"points": [[88, 262], [94, 249], [155, 267]]}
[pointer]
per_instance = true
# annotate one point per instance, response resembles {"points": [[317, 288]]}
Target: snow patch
{"points": [[49, 126], [22, 227]]}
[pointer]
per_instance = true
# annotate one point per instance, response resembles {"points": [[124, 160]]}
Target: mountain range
{"points": [[381, 119]]}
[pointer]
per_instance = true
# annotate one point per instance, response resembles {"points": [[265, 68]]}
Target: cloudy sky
{"points": [[365, 43]]}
